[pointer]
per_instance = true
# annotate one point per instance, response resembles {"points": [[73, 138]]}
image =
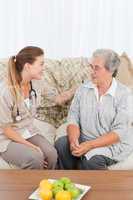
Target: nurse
{"points": [[21, 143]]}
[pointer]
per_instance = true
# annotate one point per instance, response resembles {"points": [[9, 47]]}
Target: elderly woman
{"points": [[97, 131]]}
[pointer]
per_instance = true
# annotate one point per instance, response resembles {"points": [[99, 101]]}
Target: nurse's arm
{"points": [[64, 96], [16, 137]]}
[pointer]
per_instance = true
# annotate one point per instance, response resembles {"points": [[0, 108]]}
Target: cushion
{"points": [[125, 71], [3, 67], [73, 72], [127, 164], [5, 165], [59, 77], [46, 130], [61, 131]]}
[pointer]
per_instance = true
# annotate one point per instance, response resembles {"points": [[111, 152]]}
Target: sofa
{"points": [[62, 76]]}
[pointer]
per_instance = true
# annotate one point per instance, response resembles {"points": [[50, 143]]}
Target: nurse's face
{"points": [[35, 70]]}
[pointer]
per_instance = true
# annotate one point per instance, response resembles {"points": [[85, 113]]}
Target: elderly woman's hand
{"points": [[74, 145], [83, 148]]}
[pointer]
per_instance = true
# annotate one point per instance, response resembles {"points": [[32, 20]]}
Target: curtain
{"points": [[66, 28]]}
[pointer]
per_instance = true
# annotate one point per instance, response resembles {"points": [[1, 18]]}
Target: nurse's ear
{"points": [[27, 67]]}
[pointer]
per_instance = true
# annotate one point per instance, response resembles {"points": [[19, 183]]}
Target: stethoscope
{"points": [[32, 93]]}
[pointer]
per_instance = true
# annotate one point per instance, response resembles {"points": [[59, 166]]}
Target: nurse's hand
{"points": [[38, 149], [84, 147], [45, 164]]}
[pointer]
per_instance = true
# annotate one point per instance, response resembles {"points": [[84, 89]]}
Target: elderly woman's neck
{"points": [[104, 86]]}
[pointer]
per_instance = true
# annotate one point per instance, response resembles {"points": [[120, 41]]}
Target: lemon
{"points": [[45, 184], [45, 194], [63, 195]]}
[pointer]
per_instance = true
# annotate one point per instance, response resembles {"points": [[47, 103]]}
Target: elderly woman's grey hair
{"points": [[112, 60]]}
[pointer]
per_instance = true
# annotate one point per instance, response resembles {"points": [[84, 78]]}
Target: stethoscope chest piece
{"points": [[18, 118], [27, 102]]}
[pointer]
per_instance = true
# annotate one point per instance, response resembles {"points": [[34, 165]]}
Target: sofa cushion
{"points": [[59, 77], [5, 165], [127, 164], [46, 130], [3, 67], [61, 131], [73, 72], [125, 71]]}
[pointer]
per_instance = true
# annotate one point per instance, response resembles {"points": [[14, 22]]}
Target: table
{"points": [[106, 185]]}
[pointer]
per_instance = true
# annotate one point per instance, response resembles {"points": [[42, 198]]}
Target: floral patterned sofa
{"points": [[61, 76]]}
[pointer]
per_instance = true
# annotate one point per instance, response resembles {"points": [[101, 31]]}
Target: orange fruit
{"points": [[63, 195], [45, 184], [45, 194]]}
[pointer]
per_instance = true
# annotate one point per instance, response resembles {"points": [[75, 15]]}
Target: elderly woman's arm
{"points": [[105, 140], [73, 132], [73, 128]]}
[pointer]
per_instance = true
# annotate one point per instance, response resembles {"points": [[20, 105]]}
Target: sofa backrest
{"points": [[61, 75], [125, 72]]}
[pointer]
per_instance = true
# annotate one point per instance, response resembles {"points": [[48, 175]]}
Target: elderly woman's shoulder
{"points": [[85, 86], [123, 89]]}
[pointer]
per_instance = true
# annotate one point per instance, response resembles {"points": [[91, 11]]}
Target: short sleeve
{"points": [[120, 123], [6, 107], [74, 111]]}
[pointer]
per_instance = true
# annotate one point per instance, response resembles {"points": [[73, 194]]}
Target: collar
{"points": [[111, 91], [112, 88]]}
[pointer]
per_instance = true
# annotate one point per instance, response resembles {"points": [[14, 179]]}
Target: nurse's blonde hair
{"points": [[16, 65]]}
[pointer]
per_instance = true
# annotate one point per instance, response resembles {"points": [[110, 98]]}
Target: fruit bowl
{"points": [[83, 188]]}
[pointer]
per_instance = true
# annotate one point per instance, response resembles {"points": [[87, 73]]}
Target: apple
{"points": [[75, 192], [65, 180], [69, 185], [58, 183]]}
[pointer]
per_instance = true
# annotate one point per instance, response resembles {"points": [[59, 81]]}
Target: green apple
{"points": [[57, 184], [69, 185], [75, 192], [65, 180]]}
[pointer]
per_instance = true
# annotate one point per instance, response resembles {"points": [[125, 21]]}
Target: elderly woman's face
{"points": [[98, 72]]}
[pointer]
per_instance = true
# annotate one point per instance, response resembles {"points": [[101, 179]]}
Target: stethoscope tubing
{"points": [[31, 93]]}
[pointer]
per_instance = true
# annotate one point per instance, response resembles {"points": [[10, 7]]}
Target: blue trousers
{"points": [[67, 161]]}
